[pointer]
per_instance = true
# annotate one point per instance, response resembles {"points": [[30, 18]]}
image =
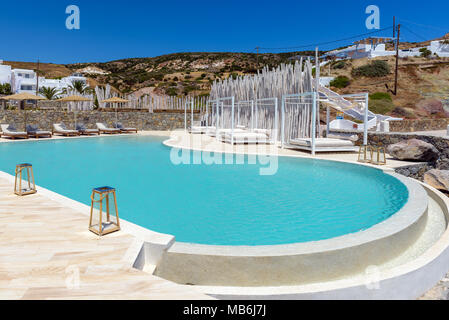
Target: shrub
{"points": [[158, 76], [382, 106], [5, 89], [425, 53], [175, 79], [380, 96], [377, 68], [171, 91], [340, 82], [338, 65]]}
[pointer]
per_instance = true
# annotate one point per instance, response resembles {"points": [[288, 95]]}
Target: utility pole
{"points": [[397, 62]]}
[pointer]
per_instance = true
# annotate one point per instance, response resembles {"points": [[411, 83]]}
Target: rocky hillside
{"points": [[423, 85], [180, 73], [423, 89]]}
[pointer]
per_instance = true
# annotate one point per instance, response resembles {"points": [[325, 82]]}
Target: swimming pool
{"points": [[306, 200]]}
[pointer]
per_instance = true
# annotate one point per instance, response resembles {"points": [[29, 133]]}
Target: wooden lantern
{"points": [[379, 156], [24, 181], [365, 154], [106, 199]]}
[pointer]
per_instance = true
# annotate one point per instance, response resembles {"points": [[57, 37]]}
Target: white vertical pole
{"points": [[256, 115], [328, 118], [276, 120], [252, 114], [238, 113], [185, 117], [217, 122], [365, 126], [207, 114], [232, 120], [314, 97], [282, 121], [191, 114]]}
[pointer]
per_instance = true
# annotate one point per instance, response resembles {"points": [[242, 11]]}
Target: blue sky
{"points": [[122, 29]]}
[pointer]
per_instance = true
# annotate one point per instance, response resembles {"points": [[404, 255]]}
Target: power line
{"points": [[427, 26], [414, 33], [328, 42]]}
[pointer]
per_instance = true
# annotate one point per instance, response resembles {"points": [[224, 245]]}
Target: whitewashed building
{"points": [[5, 73], [372, 50], [25, 80]]}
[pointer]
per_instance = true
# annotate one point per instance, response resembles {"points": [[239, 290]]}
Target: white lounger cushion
{"points": [[59, 128], [241, 137], [201, 128], [102, 126], [322, 142], [6, 130], [213, 132], [265, 131], [236, 130]]}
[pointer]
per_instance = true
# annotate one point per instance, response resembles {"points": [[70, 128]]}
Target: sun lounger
{"points": [[60, 128], [123, 129], [103, 129], [34, 132], [11, 132], [84, 131], [245, 138]]}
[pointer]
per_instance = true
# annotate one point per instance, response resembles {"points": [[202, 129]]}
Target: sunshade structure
{"points": [[74, 99], [23, 97], [116, 101]]}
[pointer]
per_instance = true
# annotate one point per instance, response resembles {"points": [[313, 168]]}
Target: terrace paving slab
{"points": [[44, 246]]}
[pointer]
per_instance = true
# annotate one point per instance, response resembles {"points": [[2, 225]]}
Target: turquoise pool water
{"points": [[305, 200]]}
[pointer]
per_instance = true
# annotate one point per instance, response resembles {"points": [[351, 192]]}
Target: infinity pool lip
{"points": [[298, 263], [409, 214]]}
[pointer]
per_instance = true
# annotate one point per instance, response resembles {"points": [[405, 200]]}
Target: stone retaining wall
{"points": [[140, 120], [419, 125], [413, 171]]}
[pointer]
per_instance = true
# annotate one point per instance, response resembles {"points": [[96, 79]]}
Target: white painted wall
{"points": [[25, 80], [5, 74]]}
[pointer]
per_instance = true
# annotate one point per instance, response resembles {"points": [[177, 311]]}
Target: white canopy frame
{"points": [[266, 117], [207, 117], [224, 106], [357, 98], [259, 116], [299, 118], [245, 111]]}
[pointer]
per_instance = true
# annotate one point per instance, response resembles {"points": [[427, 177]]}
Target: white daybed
{"points": [[202, 129], [322, 144], [245, 138], [213, 132]]}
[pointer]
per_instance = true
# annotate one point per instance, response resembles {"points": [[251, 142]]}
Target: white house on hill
{"points": [[366, 49], [25, 80]]}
